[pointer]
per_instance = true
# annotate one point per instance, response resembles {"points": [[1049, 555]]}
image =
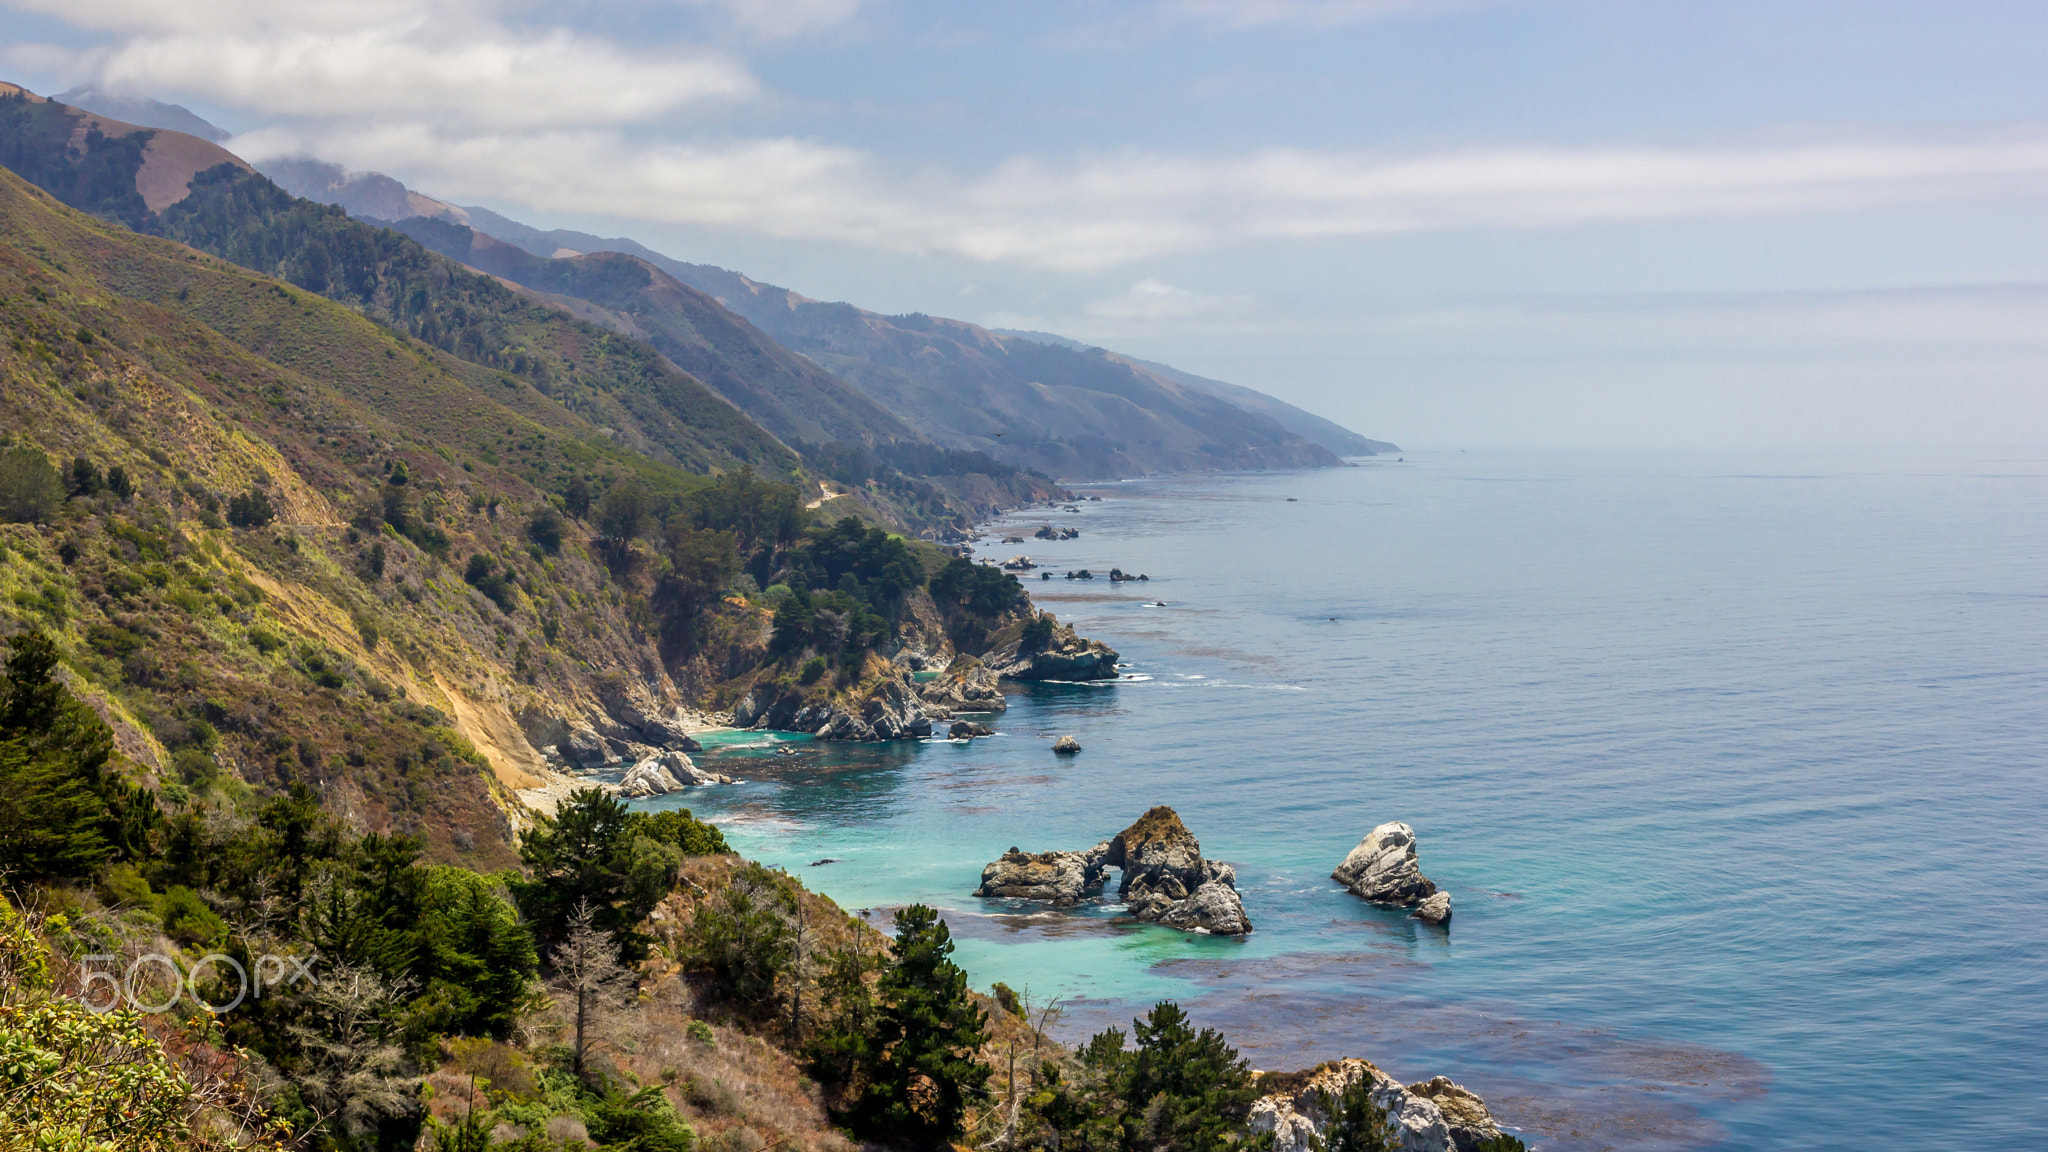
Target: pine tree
{"points": [[1183, 1089], [55, 817]]}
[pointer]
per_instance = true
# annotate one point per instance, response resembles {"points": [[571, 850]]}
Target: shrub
{"points": [[678, 829], [545, 529], [484, 576], [187, 919], [30, 489], [265, 641], [813, 668], [251, 509]]}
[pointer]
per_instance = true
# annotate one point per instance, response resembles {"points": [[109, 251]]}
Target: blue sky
{"points": [[1440, 223]]}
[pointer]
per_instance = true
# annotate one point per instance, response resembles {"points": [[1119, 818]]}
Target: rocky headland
{"points": [[1057, 653], [1165, 878], [1433, 1116], [1385, 868]]}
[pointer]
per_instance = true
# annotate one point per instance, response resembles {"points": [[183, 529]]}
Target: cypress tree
{"points": [[929, 1035]]}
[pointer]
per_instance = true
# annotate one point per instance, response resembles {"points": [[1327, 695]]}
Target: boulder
{"points": [[1384, 868], [1464, 1112], [1061, 879], [1018, 564], [1295, 1115], [966, 730], [665, 772], [1434, 910], [1066, 745], [649, 777]]}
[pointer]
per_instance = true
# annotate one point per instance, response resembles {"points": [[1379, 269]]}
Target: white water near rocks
{"points": [[1735, 767]]}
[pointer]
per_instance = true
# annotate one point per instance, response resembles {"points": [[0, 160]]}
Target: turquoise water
{"points": [[1735, 766]]}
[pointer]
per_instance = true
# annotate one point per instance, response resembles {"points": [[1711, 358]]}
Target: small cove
{"points": [[1682, 738]]}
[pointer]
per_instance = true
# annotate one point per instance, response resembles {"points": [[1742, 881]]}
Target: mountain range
{"points": [[1036, 400]]}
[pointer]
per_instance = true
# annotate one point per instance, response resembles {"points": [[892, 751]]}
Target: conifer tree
{"points": [[928, 1072]]}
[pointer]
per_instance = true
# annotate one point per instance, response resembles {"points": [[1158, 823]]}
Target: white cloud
{"points": [[1150, 300], [776, 19], [1310, 14], [459, 65], [495, 80], [1095, 213]]}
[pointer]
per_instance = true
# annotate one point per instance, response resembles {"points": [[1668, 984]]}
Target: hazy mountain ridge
{"points": [[962, 385], [1308, 425], [142, 112], [787, 394]]}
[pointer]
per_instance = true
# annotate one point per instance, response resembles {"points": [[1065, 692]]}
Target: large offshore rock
{"points": [[1058, 878], [1296, 1117], [1384, 867], [1166, 881]]}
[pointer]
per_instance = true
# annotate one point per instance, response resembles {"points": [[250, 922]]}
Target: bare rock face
{"points": [[1464, 1112], [1066, 745], [1384, 868], [1061, 879], [892, 710], [967, 730], [1296, 1118], [967, 686], [1435, 910], [584, 748]]}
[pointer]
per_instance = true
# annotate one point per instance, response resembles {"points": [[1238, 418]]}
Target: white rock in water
{"points": [[650, 777], [1384, 869], [1066, 745], [1435, 910]]}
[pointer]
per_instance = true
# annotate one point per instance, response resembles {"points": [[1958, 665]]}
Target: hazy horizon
{"points": [[1459, 224]]}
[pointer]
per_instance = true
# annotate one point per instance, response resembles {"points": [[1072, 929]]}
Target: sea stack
{"points": [[1384, 868], [1165, 879], [1066, 745]]}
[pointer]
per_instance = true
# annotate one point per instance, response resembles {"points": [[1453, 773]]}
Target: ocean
{"points": [[1735, 766]]}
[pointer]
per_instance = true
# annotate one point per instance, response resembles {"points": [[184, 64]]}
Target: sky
{"points": [[1439, 223]]}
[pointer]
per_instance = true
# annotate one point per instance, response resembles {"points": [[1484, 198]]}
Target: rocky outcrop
{"points": [[1384, 868], [892, 710], [1061, 879], [1066, 745], [966, 686], [1165, 879], [967, 730], [1435, 1116], [1435, 910], [665, 772], [584, 748], [1464, 1112], [1061, 656]]}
